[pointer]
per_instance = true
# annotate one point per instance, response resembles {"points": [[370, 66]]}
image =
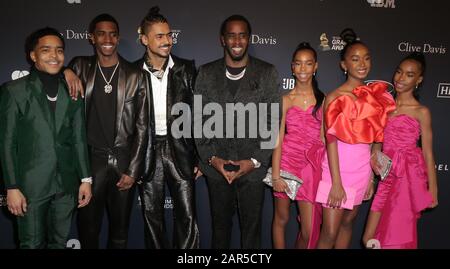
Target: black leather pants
{"points": [[105, 194], [185, 234]]}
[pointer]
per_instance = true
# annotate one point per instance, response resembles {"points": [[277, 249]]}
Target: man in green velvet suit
{"points": [[43, 148]]}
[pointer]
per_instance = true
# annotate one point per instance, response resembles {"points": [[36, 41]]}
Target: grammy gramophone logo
{"points": [[331, 43], [324, 42]]}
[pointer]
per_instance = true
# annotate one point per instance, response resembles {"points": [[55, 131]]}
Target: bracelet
{"points": [[275, 179], [87, 180]]}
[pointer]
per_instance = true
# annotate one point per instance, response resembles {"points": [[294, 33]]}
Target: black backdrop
{"points": [[391, 29]]}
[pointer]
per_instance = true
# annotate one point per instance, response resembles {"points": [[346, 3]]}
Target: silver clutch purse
{"points": [[292, 181], [385, 163]]}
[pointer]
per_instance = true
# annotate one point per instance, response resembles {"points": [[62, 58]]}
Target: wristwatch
{"points": [[255, 162]]}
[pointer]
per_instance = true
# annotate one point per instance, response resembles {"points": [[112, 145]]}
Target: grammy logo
{"points": [[324, 42]]}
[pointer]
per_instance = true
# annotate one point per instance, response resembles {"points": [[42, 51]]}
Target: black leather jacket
{"points": [[180, 87], [131, 139]]}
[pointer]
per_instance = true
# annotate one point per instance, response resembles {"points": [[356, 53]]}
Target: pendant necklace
{"points": [[108, 86]]}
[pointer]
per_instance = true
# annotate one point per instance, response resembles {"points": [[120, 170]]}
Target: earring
{"points": [[314, 74], [417, 86], [345, 72]]}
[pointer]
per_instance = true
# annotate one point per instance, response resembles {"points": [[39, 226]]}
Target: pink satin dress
{"points": [[404, 193], [302, 152]]}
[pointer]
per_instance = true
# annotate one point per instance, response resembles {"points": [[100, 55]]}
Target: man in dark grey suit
{"points": [[235, 165]]}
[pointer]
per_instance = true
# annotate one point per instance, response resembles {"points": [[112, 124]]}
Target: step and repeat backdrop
{"points": [[391, 28]]}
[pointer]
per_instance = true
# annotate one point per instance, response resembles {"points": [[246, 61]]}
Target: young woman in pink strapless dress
{"points": [[411, 185], [355, 115], [299, 151]]}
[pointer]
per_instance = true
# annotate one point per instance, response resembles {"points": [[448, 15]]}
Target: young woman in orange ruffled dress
{"points": [[355, 115]]}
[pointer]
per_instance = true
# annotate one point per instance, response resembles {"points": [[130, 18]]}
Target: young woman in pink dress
{"points": [[355, 115], [411, 185], [299, 151]]}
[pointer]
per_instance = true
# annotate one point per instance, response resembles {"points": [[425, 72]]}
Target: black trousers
{"points": [[246, 195], [182, 191], [105, 194]]}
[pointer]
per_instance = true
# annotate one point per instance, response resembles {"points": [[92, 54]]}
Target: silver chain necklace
{"points": [[235, 77], [52, 99], [108, 86]]}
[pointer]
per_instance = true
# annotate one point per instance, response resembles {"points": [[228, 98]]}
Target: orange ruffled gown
{"points": [[355, 124]]}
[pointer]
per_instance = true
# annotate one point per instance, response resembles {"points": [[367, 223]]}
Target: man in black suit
{"points": [[171, 158], [235, 165]]}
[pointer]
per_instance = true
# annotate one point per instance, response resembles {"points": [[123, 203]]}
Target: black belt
{"points": [[160, 138]]}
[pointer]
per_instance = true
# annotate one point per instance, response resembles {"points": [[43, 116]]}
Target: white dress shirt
{"points": [[159, 92]]}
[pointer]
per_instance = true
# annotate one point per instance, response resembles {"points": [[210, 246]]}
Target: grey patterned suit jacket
{"points": [[259, 87]]}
